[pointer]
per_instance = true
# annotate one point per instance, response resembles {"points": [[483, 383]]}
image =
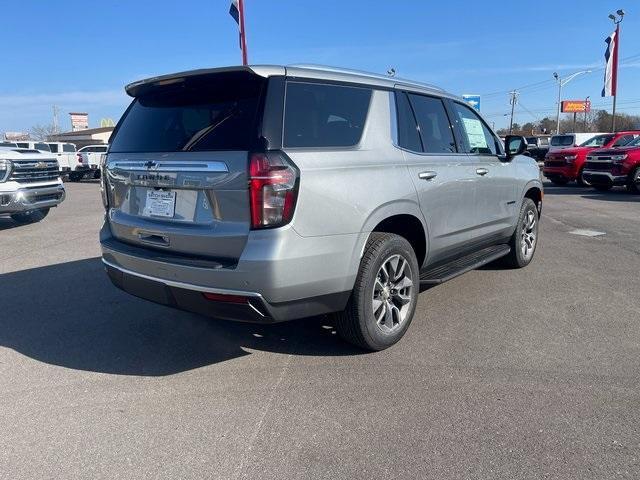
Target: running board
{"points": [[463, 264]]}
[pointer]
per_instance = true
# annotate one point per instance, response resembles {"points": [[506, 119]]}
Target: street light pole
{"points": [[561, 83]]}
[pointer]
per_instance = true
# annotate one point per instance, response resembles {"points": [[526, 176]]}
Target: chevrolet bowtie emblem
{"points": [[41, 165], [150, 164]]}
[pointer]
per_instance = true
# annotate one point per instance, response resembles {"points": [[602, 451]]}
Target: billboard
{"points": [[16, 136], [79, 121], [473, 100], [575, 106]]}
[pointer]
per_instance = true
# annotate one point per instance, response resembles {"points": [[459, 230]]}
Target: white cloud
{"points": [[99, 98]]}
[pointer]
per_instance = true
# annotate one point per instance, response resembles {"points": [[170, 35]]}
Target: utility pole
{"points": [[514, 99], [586, 103], [55, 119]]}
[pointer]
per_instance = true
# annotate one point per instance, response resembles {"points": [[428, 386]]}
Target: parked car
{"points": [[65, 155], [569, 140], [564, 166], [266, 194], [608, 167], [91, 155], [538, 146], [29, 184]]}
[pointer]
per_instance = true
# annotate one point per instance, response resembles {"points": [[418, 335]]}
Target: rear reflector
{"points": [[219, 297]]}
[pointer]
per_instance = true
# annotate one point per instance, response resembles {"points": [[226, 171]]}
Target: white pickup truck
{"points": [[29, 184], [92, 154], [74, 166], [65, 154]]}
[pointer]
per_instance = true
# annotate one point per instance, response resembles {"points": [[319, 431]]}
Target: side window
{"points": [[408, 134], [623, 140], [435, 129], [67, 147], [53, 147], [322, 115], [476, 136]]}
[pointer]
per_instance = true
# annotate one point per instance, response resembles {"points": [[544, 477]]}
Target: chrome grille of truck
{"points": [[29, 171]]}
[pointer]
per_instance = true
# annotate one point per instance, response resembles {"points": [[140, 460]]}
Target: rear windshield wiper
{"points": [[200, 134]]}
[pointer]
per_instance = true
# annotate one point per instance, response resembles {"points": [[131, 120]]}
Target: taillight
{"points": [[79, 158], [273, 189]]}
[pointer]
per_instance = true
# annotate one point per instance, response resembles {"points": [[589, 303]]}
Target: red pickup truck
{"points": [[563, 166], [608, 167]]}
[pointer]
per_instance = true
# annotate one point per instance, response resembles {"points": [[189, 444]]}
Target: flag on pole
{"points": [[237, 12], [611, 65]]}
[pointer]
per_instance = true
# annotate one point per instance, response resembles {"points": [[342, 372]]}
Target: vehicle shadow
{"points": [[7, 223], [70, 315]]}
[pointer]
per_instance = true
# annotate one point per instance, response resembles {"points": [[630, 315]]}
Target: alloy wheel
{"points": [[393, 291], [529, 234]]}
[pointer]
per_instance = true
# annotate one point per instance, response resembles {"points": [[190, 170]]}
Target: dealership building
{"points": [[81, 138]]}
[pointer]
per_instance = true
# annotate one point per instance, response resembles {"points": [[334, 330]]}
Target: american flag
{"points": [[237, 12], [611, 65]]}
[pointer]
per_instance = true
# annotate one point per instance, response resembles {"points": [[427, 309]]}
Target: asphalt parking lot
{"points": [[529, 374]]}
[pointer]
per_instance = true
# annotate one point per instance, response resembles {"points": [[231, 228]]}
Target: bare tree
{"points": [[42, 132]]}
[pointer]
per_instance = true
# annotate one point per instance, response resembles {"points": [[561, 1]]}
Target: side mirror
{"points": [[515, 145]]}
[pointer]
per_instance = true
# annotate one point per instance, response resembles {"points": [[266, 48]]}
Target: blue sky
{"points": [[79, 54]]}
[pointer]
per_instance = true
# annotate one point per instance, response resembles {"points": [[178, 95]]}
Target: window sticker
{"points": [[475, 133]]}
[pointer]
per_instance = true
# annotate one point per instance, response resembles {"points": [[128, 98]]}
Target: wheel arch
{"points": [[404, 219]]}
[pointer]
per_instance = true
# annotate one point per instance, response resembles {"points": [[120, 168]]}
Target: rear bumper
{"points": [[253, 309], [604, 178], [283, 275], [22, 198]]}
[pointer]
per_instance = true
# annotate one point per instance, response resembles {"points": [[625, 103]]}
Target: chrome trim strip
{"points": [[601, 173], [185, 286], [153, 166]]}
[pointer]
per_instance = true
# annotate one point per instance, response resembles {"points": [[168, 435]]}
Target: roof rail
{"points": [[362, 73]]}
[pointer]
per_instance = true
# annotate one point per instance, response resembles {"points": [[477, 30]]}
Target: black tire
{"points": [[602, 187], [96, 173], [357, 324], [634, 182], [31, 216], [75, 176], [580, 179], [559, 181], [517, 258]]}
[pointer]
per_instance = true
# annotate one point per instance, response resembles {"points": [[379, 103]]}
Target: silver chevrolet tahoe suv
{"points": [[270, 193]]}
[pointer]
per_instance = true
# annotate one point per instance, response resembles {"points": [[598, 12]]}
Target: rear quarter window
{"points": [[68, 148], [322, 115]]}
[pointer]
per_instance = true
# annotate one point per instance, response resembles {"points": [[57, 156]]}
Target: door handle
{"points": [[482, 171], [428, 175]]}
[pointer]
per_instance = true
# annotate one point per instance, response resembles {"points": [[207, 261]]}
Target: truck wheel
{"points": [[524, 240], [634, 182], [580, 179], [384, 296], [75, 176], [602, 187], [31, 216]]}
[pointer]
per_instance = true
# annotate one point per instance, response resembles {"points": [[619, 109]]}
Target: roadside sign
{"points": [[79, 121], [575, 106], [473, 100]]}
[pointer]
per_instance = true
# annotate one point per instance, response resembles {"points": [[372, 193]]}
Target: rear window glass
{"points": [[597, 141], [67, 147], [204, 113], [319, 115], [562, 140], [532, 140]]}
